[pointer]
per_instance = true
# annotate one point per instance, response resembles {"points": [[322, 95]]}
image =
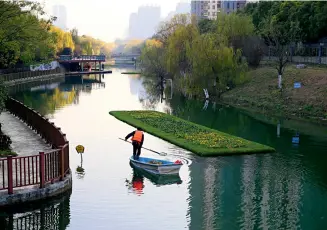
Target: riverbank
{"points": [[193, 137], [260, 93]]}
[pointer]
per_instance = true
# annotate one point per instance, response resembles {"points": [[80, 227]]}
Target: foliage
{"points": [[47, 102], [6, 153], [178, 44], [311, 17], [167, 28], [260, 93], [26, 37], [5, 142], [232, 28], [206, 26], [189, 135], [23, 36], [195, 59], [3, 95], [153, 60]]}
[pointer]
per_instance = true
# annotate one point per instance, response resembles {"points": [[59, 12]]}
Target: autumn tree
{"points": [[22, 33], [177, 45]]}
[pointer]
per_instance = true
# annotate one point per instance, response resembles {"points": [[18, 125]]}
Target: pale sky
{"points": [[105, 19]]}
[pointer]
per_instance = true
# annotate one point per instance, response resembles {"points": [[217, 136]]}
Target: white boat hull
{"points": [[158, 169]]}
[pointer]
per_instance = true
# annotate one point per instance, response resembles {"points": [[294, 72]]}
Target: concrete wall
{"points": [[34, 193]]}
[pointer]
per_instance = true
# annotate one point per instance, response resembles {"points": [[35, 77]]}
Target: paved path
{"points": [[25, 141]]}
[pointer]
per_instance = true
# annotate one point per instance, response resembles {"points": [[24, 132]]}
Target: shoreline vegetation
{"points": [[6, 153], [198, 139], [259, 94], [223, 58]]}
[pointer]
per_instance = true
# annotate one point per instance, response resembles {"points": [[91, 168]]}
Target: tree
{"points": [[177, 45], [215, 64], [233, 28], [168, 27], [311, 15], [21, 31], [206, 26], [279, 39], [153, 58]]}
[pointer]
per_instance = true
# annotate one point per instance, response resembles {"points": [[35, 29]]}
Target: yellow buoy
{"points": [[80, 148]]}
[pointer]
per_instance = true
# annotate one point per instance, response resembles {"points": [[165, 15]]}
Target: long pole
{"points": [[162, 153]]}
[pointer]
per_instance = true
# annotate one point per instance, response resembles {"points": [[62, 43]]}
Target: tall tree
{"points": [[280, 36]]}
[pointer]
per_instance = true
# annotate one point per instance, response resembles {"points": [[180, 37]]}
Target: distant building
{"points": [[181, 8], [144, 23], [210, 8], [60, 12]]}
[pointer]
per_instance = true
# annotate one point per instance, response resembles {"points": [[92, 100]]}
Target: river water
{"points": [[282, 190]]}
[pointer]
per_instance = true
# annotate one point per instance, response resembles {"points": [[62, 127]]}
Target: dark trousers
{"points": [[136, 149]]}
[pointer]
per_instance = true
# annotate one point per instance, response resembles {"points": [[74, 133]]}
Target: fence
{"points": [[29, 74], [82, 58], [15, 70], [305, 53], [39, 169], [45, 215]]}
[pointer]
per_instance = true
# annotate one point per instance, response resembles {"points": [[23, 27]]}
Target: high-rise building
{"points": [[60, 12], [210, 8], [181, 8], [144, 23]]}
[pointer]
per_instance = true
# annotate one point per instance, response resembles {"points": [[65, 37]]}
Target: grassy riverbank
{"points": [[193, 137], [6, 153], [260, 93]]}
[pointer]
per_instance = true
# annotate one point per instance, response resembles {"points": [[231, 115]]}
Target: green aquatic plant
{"points": [[196, 138]]}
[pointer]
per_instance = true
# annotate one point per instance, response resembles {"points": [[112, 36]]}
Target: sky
{"points": [[105, 19]]}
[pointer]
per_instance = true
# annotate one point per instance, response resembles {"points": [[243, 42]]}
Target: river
{"points": [[282, 190]]}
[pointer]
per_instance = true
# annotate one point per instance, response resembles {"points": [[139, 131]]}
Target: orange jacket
{"points": [[138, 136]]}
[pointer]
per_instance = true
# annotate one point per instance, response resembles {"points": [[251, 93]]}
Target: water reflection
{"points": [[283, 190], [269, 191], [136, 185], [54, 214], [47, 100], [158, 180]]}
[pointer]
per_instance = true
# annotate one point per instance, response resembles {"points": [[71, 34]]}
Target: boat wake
{"points": [[177, 154]]}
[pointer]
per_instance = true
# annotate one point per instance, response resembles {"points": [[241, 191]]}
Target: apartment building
{"points": [[210, 8]]}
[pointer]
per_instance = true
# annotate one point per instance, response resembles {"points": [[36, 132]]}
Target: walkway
{"points": [[25, 142]]}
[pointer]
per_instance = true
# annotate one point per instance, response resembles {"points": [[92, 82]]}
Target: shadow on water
{"points": [[49, 214]]}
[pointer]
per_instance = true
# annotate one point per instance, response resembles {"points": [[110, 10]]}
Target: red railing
{"points": [[39, 169]]}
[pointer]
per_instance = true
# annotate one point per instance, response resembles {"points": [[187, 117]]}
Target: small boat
{"points": [[156, 179], [155, 166]]}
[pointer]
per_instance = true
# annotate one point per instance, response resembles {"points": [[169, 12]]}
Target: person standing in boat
{"points": [[137, 142]]}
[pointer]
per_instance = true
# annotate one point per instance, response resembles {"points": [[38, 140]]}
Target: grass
{"points": [[261, 94], [193, 137], [6, 153]]}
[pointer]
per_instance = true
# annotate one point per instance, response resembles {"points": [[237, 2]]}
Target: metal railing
{"points": [[39, 169], [82, 58], [29, 74]]}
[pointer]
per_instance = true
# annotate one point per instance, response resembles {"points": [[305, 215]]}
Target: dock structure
{"points": [[82, 63]]}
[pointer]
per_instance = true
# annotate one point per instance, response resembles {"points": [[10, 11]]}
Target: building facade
{"points": [[61, 13], [209, 9], [144, 23]]}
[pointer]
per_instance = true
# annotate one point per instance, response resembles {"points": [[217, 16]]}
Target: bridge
{"points": [[125, 56], [81, 58]]}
